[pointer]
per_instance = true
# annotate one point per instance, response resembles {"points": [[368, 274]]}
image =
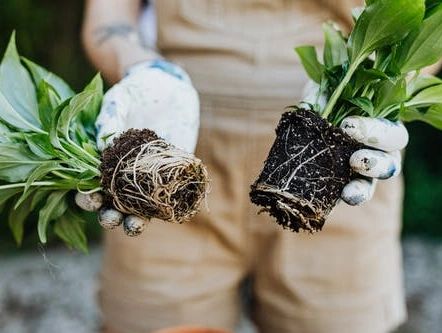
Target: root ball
{"points": [[145, 176], [305, 172]]}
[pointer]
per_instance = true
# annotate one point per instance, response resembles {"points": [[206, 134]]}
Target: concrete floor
{"points": [[54, 291]]}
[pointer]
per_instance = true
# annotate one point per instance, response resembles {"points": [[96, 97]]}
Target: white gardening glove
{"points": [[384, 161], [157, 95]]}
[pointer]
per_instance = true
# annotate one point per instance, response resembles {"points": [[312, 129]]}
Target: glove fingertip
{"points": [[357, 192]]}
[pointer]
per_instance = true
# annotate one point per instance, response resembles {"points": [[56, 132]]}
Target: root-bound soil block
{"points": [[305, 172], [145, 176]]}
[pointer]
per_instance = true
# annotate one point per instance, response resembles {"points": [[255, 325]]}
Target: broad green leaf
{"points": [[84, 102], [41, 74], [17, 217], [423, 46], [8, 193], [40, 145], [389, 93], [364, 77], [91, 149], [4, 133], [430, 4], [16, 86], [427, 97], [309, 60], [335, 51], [9, 115], [38, 197], [53, 133], [420, 82], [364, 103], [90, 114], [16, 162], [70, 228], [384, 22], [38, 174], [432, 116], [47, 102], [54, 207]]}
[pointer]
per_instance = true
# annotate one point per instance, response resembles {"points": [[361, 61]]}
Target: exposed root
{"points": [[305, 172], [154, 179], [292, 211]]}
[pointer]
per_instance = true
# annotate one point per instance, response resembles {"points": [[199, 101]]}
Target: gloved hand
{"points": [[157, 95], [382, 162]]}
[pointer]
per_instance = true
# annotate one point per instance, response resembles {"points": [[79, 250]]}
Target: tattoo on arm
{"points": [[107, 32]]}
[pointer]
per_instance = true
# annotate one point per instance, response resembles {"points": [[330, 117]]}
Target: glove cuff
{"points": [[159, 64]]}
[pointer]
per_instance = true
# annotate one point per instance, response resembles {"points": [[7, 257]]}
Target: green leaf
{"points": [[4, 133], [53, 133], [17, 217], [40, 145], [16, 162], [389, 93], [9, 115], [90, 114], [41, 74], [87, 102], [309, 60], [423, 46], [38, 174], [384, 22], [91, 149], [47, 102], [54, 207], [16, 86], [364, 103], [364, 77], [38, 197], [421, 82], [427, 97], [8, 193], [430, 4], [70, 228], [335, 51], [432, 115]]}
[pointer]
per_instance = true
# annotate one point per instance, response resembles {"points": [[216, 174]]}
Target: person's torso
{"points": [[241, 47]]}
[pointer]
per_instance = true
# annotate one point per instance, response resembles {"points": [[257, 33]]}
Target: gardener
{"points": [[239, 57]]}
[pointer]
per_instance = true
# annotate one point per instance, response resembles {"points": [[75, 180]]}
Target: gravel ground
{"points": [[54, 291]]}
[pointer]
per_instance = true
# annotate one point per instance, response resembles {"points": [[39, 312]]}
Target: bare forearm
{"points": [[111, 38]]}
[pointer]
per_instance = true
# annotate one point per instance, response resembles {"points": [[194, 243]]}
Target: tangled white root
{"points": [[160, 181]]}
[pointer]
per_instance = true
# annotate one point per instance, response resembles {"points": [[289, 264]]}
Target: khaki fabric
{"points": [[346, 278]]}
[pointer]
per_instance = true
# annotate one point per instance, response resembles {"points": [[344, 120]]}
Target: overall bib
{"points": [[346, 278]]}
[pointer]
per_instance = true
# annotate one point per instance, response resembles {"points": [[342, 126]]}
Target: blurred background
{"points": [[53, 290]]}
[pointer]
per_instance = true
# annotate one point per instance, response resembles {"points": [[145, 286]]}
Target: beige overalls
{"points": [[346, 278]]}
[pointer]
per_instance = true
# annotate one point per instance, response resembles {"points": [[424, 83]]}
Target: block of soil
{"points": [[305, 172]]}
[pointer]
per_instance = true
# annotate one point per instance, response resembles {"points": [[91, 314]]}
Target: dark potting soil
{"points": [[172, 192], [110, 157], [305, 172]]}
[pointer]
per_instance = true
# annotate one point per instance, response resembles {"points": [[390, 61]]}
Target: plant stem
{"points": [[15, 185], [338, 92]]}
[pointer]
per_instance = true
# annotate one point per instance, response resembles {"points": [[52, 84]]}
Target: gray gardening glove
{"points": [[109, 218], [382, 162], [154, 94]]}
